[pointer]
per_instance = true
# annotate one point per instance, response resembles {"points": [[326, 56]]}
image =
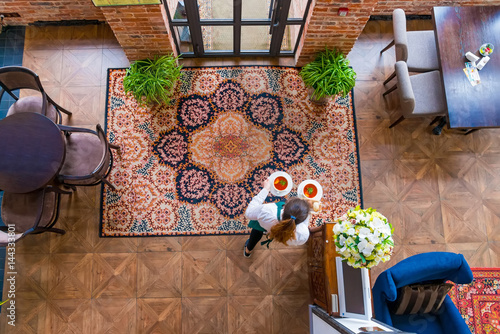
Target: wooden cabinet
{"points": [[321, 264]]}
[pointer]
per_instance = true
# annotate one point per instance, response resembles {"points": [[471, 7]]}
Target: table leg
{"points": [[439, 128]]}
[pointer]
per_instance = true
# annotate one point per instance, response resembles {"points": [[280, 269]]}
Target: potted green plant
{"points": [[328, 75], [152, 80]]}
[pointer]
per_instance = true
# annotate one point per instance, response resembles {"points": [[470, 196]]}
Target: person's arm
{"points": [[253, 210], [255, 206]]}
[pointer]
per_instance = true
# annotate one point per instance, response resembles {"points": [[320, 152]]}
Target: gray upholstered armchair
{"points": [[419, 95], [416, 48]]}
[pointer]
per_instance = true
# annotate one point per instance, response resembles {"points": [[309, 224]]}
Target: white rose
{"points": [[337, 228], [364, 232], [373, 239], [351, 231], [342, 240], [365, 247], [377, 223], [380, 226]]}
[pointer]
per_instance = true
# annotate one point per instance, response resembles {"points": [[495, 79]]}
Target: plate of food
{"points": [[281, 183], [310, 189]]}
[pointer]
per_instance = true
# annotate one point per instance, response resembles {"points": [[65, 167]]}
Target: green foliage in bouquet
{"points": [[329, 74], [152, 80], [363, 238]]}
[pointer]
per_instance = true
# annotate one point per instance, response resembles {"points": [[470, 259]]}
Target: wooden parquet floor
{"points": [[441, 193]]}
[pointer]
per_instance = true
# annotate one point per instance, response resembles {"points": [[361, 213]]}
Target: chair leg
{"points": [[437, 118], [108, 184], [390, 78], [60, 191], [393, 88], [470, 131], [387, 47], [439, 128], [70, 186], [399, 120]]}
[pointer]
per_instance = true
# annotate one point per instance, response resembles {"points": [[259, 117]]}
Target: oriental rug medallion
{"points": [[192, 167], [479, 301]]}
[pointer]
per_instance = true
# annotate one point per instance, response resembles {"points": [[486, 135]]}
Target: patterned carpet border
{"points": [[479, 301], [186, 220]]}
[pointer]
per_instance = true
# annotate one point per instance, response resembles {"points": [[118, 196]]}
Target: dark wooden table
{"points": [[32, 151], [462, 29]]}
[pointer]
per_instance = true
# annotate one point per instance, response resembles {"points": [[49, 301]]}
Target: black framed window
{"points": [[215, 28]]}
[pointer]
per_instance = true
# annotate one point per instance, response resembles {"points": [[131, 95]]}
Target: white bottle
{"points": [[482, 62], [471, 57]]}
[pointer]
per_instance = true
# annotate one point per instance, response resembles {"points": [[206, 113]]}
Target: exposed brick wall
{"points": [[424, 7], [142, 31], [326, 28], [47, 10]]}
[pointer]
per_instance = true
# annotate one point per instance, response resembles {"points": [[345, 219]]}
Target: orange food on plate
{"points": [[280, 183], [310, 191]]}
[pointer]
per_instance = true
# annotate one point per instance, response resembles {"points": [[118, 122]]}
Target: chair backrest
{"points": [[405, 89], [400, 37], [433, 266], [102, 169], [18, 77], [28, 211], [99, 170]]}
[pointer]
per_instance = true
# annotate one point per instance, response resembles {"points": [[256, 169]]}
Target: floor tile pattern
{"points": [[440, 193]]}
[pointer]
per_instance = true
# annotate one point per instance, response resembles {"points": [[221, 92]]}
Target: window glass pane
{"points": [[297, 9], [290, 37], [180, 11], [217, 38], [172, 5], [184, 37], [255, 38], [255, 9], [215, 9]]}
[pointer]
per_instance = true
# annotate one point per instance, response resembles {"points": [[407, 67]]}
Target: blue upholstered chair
{"points": [[434, 266]]}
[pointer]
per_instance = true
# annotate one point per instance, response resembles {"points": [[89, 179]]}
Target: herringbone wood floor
{"points": [[441, 193]]}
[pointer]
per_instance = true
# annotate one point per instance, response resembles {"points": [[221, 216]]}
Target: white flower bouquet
{"points": [[363, 238]]}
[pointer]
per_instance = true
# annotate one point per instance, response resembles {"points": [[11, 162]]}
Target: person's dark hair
{"points": [[285, 229]]}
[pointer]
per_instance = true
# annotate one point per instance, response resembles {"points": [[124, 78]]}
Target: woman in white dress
{"points": [[287, 223]]}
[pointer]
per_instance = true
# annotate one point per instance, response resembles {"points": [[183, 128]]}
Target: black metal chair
{"points": [[17, 77], [88, 157], [31, 213]]}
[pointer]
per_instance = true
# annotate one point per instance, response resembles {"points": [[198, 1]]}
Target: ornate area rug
{"points": [[479, 302], [192, 168]]}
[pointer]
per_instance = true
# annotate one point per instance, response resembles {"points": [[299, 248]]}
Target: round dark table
{"points": [[32, 151]]}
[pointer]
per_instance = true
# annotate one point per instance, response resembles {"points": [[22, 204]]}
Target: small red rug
{"points": [[479, 302], [192, 167]]}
